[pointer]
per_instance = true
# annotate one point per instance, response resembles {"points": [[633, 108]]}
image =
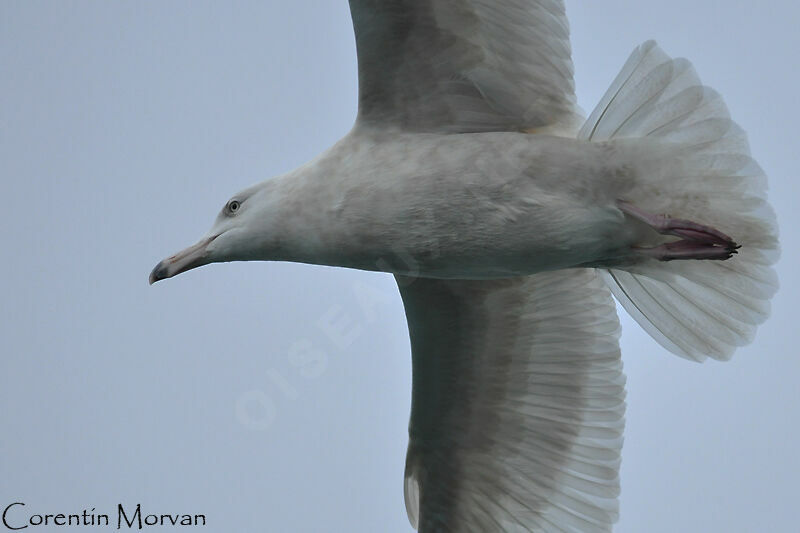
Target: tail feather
{"points": [[696, 309]]}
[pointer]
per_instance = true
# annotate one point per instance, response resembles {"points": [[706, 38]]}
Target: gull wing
{"points": [[464, 65], [517, 406]]}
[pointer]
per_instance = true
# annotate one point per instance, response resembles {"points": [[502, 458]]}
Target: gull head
{"points": [[243, 231]]}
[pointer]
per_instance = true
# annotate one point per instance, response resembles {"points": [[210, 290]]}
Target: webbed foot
{"points": [[698, 241]]}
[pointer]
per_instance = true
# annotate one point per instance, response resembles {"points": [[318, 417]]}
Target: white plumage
{"points": [[699, 308], [517, 406], [467, 175]]}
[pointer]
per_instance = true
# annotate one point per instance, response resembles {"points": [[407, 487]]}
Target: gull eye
{"points": [[233, 207]]}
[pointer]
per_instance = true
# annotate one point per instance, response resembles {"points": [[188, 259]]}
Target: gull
{"points": [[509, 220]]}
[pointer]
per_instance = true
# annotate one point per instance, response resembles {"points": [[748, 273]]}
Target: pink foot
{"points": [[689, 250], [698, 241]]}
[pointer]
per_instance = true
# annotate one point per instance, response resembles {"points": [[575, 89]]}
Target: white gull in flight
{"points": [[509, 221]]}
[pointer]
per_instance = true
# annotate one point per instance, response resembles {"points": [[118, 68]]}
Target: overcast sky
{"points": [[124, 127]]}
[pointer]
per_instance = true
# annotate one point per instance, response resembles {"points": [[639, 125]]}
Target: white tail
{"points": [[693, 308]]}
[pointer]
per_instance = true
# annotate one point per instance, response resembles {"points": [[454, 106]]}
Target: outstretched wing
{"points": [[517, 406], [463, 65]]}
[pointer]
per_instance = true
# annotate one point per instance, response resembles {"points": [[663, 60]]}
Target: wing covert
{"points": [[464, 65]]}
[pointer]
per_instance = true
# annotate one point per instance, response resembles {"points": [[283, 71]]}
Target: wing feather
{"points": [[464, 65], [517, 406]]}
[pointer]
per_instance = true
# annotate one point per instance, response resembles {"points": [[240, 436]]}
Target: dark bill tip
{"points": [[192, 257], [159, 272]]}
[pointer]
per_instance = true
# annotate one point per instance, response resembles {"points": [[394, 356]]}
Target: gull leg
{"points": [[688, 250], [697, 240]]}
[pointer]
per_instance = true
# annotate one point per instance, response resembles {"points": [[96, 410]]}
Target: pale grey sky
{"points": [[124, 126]]}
